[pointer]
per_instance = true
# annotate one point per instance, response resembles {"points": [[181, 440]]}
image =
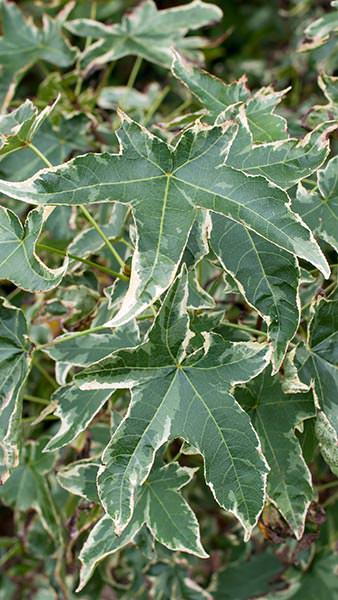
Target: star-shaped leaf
{"points": [[317, 359], [14, 368], [161, 507], [319, 207], [175, 395], [146, 32], [267, 276], [164, 186], [18, 261], [274, 416]]}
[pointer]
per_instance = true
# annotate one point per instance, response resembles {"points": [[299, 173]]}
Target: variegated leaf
{"points": [[192, 175], [275, 416], [158, 505], [175, 395]]}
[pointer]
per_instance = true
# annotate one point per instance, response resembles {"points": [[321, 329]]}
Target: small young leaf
{"points": [[18, 261], [18, 127]]}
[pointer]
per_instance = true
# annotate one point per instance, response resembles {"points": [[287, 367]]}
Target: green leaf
{"points": [[247, 579], [267, 276], [217, 97], [174, 395], [18, 127], [316, 361], [158, 505], [18, 260], [275, 416], [320, 581], [92, 347], [319, 208], [285, 162], [164, 186], [23, 44], [127, 98], [55, 142], [320, 30], [328, 441], [28, 487], [146, 32], [14, 368], [76, 409], [79, 478]]}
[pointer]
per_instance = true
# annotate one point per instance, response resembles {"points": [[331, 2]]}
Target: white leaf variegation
{"points": [[146, 32], [14, 368], [18, 260], [275, 416], [164, 186], [175, 395], [267, 276], [161, 507], [317, 359]]}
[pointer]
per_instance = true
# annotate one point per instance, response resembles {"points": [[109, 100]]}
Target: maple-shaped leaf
{"points": [[23, 44], [175, 395], [218, 97], [18, 261], [18, 127], [317, 359], [275, 416], [14, 368], [319, 207], [146, 32], [160, 506], [164, 186], [267, 276]]}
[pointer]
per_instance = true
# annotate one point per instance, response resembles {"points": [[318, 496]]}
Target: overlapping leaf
{"points": [[175, 395], [160, 506], [275, 416], [164, 186], [319, 208], [267, 276], [146, 32], [18, 261], [76, 408], [317, 359], [218, 97], [14, 368]]}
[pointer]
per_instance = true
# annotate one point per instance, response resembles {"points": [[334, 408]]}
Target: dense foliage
{"points": [[168, 311]]}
